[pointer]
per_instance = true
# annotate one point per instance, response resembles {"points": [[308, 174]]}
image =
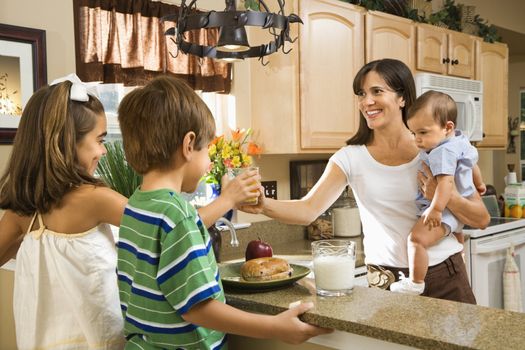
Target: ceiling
{"points": [[514, 40]]}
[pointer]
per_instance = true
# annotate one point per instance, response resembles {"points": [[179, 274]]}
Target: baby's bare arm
{"points": [[444, 188]]}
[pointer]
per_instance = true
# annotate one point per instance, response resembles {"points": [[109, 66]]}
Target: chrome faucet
{"points": [[234, 241]]}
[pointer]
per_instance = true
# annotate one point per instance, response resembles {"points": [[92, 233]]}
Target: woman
{"points": [[381, 165]]}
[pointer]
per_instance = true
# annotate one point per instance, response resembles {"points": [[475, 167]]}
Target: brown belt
{"points": [[379, 277], [383, 276]]}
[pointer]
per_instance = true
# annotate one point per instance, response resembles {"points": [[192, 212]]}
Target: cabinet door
{"points": [[331, 52], [492, 69], [389, 36], [461, 52], [431, 49]]}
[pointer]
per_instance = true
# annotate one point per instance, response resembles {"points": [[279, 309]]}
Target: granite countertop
{"points": [[416, 321]]}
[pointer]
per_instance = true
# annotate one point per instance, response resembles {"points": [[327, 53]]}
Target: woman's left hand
{"points": [[426, 182]]}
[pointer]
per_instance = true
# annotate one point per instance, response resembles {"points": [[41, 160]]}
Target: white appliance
{"points": [[485, 252], [468, 95]]}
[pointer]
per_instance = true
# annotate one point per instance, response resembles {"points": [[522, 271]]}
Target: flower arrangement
{"points": [[235, 152]]}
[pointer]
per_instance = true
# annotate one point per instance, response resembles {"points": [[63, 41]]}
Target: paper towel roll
{"points": [[346, 222]]}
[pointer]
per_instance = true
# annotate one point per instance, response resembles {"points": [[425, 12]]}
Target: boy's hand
{"points": [[241, 188], [431, 218], [290, 329]]}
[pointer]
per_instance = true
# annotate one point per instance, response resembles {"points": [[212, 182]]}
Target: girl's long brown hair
{"points": [[43, 165]]}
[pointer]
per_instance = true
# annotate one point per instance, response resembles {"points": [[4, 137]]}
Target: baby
{"points": [[452, 160]]}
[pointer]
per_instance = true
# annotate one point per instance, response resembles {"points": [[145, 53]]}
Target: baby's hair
{"points": [[43, 165], [442, 107], [155, 118]]}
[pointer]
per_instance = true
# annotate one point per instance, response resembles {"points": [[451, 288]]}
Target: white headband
{"points": [[79, 90]]}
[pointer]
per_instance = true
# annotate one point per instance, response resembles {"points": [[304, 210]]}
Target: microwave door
{"points": [[463, 123], [465, 118]]}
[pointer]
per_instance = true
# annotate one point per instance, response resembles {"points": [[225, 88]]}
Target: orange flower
{"points": [[237, 134], [254, 149], [216, 139]]}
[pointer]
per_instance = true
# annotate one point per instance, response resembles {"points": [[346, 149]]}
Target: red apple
{"points": [[258, 249]]}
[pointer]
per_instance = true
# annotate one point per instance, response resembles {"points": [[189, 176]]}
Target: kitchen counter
{"points": [[369, 313], [414, 321]]}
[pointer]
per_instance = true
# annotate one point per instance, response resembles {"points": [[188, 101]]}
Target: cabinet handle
{"points": [[454, 62], [446, 60]]}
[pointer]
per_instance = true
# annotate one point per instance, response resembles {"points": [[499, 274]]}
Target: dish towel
{"points": [[512, 299]]}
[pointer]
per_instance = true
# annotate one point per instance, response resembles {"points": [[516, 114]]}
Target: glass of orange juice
{"points": [[233, 172]]}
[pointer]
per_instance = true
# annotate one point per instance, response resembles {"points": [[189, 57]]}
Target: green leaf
{"points": [[115, 171]]}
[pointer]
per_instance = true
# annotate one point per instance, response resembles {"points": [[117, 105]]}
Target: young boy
{"points": [[451, 159], [170, 290]]}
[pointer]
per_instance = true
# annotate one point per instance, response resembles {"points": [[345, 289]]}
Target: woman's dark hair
{"points": [[43, 166], [398, 78]]}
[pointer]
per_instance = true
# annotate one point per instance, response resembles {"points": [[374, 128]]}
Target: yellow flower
{"points": [[212, 150], [234, 152], [236, 161]]}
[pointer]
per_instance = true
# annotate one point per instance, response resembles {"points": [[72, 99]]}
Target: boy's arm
{"points": [[286, 326], [234, 192]]}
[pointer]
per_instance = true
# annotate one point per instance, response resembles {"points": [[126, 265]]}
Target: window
{"points": [[222, 106]]}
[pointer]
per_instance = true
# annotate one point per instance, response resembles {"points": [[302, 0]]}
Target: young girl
{"points": [[452, 160], [56, 215]]}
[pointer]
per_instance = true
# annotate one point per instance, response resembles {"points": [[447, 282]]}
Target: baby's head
{"points": [[431, 119], [157, 118]]}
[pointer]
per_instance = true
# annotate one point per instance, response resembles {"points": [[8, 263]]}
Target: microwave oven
{"points": [[468, 95]]}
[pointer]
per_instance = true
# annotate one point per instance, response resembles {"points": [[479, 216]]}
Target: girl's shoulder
{"points": [[94, 204]]}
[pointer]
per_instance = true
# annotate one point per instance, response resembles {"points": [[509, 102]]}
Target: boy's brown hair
{"points": [[154, 119], [443, 107]]}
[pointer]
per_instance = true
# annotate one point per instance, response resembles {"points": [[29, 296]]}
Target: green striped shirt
{"points": [[165, 266]]}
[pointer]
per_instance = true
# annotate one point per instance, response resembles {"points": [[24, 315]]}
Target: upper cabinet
{"points": [[389, 36], [331, 46], [444, 51], [303, 102], [492, 68]]}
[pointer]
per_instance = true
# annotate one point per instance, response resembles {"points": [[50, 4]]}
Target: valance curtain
{"points": [[123, 41]]}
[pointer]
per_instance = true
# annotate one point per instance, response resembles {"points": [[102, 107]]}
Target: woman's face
{"points": [[91, 147], [378, 103]]}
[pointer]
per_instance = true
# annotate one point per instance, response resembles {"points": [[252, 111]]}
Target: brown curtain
{"points": [[123, 41]]}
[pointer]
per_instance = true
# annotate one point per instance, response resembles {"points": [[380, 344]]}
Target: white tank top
{"points": [[386, 198], [66, 293]]}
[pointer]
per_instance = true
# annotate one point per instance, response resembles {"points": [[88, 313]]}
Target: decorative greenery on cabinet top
{"points": [[453, 16]]}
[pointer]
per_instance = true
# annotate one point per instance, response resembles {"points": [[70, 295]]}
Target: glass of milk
{"points": [[334, 265]]}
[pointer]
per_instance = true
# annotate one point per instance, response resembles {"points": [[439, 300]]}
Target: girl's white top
{"points": [[386, 197], [66, 294]]}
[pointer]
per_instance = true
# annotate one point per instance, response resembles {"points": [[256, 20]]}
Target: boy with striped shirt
{"points": [[170, 290]]}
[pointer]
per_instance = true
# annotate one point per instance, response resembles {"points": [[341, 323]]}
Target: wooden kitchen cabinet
{"points": [[389, 36], [303, 102], [331, 51], [492, 68], [446, 52]]}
